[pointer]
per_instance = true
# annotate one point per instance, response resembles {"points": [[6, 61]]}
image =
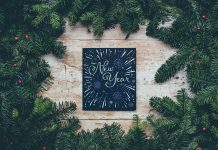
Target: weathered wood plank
{"points": [[151, 53]]}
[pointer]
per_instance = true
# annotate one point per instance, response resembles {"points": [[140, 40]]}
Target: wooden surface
{"points": [[151, 53]]}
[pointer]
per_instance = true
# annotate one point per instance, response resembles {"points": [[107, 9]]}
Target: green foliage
{"points": [[100, 15], [188, 122], [138, 123], [98, 26], [27, 121], [28, 30], [58, 49], [173, 65], [135, 139], [45, 14], [110, 137], [194, 33], [41, 106], [181, 126]]}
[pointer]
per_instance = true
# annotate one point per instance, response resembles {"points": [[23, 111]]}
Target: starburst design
{"points": [[100, 92]]}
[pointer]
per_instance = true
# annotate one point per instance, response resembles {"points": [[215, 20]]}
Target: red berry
{"points": [[43, 147], [20, 82], [204, 17], [204, 129], [27, 37], [199, 28], [16, 38], [14, 65]]}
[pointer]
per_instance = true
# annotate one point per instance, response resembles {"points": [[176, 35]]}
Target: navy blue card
{"points": [[109, 79]]}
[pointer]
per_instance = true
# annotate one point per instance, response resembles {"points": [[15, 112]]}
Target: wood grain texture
{"points": [[150, 54]]}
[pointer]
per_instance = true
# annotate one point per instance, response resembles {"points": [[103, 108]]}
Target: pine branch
{"points": [[165, 106], [174, 64]]}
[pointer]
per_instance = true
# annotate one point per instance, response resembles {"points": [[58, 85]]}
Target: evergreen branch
{"points": [[165, 106], [172, 66]]}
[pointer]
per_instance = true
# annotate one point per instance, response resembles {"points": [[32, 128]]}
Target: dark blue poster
{"points": [[109, 79]]}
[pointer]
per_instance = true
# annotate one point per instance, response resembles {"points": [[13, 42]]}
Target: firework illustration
{"points": [[109, 79]]}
